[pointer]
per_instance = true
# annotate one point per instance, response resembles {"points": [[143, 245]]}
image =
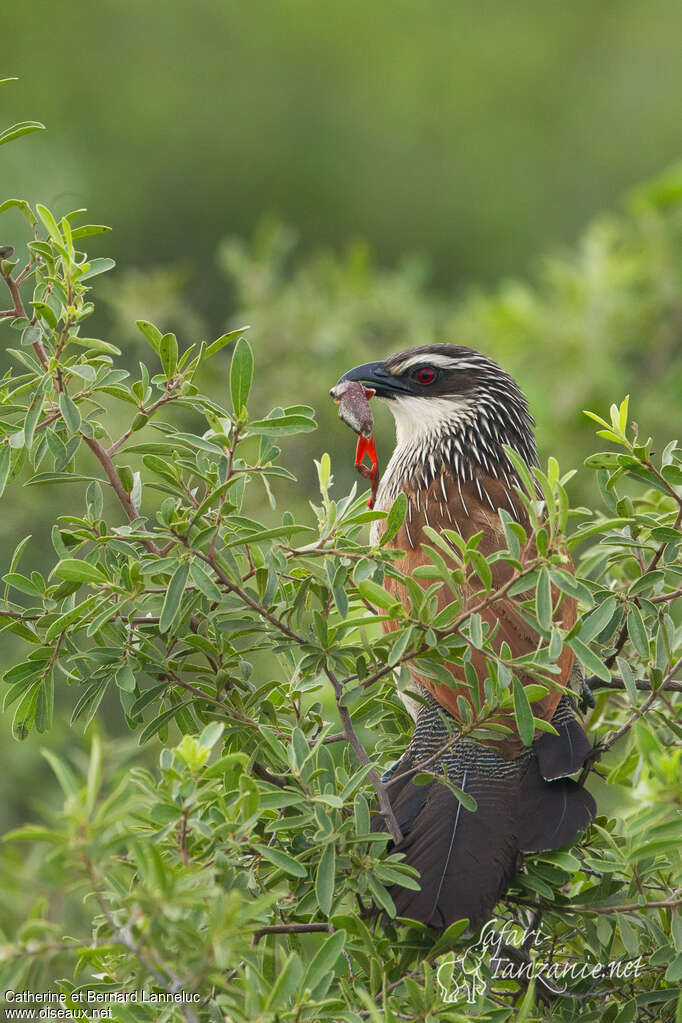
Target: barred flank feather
{"points": [[467, 860]]}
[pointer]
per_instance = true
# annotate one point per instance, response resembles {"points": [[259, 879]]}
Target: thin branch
{"points": [[289, 929], [275, 779], [623, 634], [642, 684], [639, 711], [169, 395], [334, 737], [104, 459], [361, 754], [633, 907], [20, 311]]}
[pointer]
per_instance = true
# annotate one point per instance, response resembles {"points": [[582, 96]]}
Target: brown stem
{"points": [[289, 929], [361, 754], [280, 780], [182, 839], [664, 598], [129, 508], [19, 310], [633, 907], [163, 400], [593, 682], [639, 711], [246, 599]]}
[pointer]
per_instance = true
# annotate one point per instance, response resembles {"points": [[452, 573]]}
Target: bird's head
{"points": [[450, 398]]}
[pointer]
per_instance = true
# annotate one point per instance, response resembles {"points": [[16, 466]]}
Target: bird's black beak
{"points": [[376, 376]]}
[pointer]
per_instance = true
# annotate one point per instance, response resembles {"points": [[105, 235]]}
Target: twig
{"points": [[594, 682], [169, 395], [633, 907], [289, 929], [104, 459], [182, 839], [275, 779], [623, 634], [639, 711], [361, 754], [20, 311]]}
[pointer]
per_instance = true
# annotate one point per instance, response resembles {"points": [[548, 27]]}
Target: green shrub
{"points": [[237, 874]]}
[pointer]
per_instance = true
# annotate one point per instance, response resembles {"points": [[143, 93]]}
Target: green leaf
{"points": [[151, 333], [22, 206], [87, 230], [222, 341], [281, 426], [96, 267], [597, 621], [45, 703], [25, 714], [523, 713], [157, 724], [592, 664], [203, 581], [282, 860], [241, 375], [376, 594], [50, 223], [5, 463], [75, 570], [168, 353], [62, 773], [70, 412], [33, 415], [171, 604], [94, 344], [628, 680], [324, 960], [637, 632], [467, 801], [286, 984], [449, 937], [80, 611], [211, 734], [395, 518], [17, 130], [543, 600], [125, 679], [325, 879]]}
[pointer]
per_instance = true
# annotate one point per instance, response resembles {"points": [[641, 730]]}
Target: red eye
{"points": [[426, 375]]}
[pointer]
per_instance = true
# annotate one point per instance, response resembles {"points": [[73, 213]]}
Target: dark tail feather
{"points": [[551, 813], [565, 753], [467, 860]]}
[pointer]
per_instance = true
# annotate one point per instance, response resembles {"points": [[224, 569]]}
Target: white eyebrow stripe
{"points": [[444, 361]]}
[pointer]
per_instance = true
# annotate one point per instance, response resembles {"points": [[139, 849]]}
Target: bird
{"points": [[455, 411]]}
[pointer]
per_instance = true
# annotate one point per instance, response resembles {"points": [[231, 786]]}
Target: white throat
{"points": [[419, 418]]}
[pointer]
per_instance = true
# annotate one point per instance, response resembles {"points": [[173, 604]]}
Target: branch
{"points": [[104, 459], [289, 929], [639, 711], [673, 902], [594, 682], [623, 634], [20, 311], [361, 753]]}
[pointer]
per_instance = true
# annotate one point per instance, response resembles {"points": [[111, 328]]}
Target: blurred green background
{"points": [[355, 178]]}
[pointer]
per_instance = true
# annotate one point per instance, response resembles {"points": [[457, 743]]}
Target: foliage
{"points": [[238, 874]]}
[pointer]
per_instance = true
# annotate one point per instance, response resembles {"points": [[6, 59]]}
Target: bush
{"points": [[233, 881]]}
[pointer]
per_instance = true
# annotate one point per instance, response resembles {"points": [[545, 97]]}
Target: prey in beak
{"points": [[353, 401]]}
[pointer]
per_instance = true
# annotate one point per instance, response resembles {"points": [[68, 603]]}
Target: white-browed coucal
{"points": [[455, 410]]}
